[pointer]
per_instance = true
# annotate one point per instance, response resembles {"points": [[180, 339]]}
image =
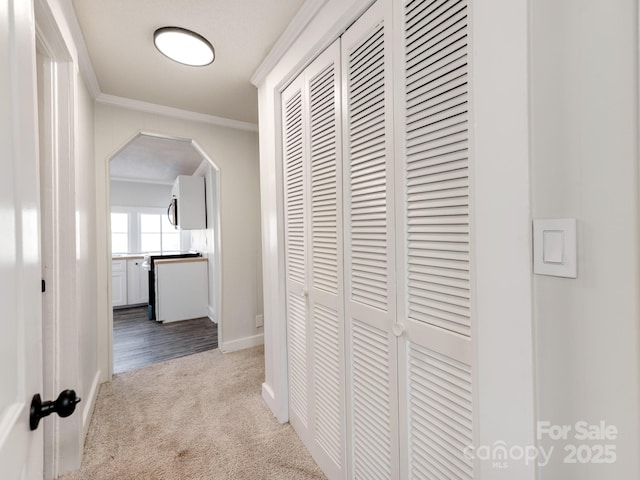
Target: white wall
{"points": [[136, 194], [584, 90], [235, 152]]}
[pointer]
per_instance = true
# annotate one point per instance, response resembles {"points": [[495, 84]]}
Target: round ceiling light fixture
{"points": [[184, 46]]}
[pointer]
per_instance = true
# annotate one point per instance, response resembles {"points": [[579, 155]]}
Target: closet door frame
{"points": [[501, 252]]}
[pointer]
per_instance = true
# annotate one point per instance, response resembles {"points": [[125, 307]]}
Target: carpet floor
{"points": [[196, 417]]}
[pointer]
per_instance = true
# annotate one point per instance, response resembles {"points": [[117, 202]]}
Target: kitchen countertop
{"points": [[127, 256], [180, 260]]}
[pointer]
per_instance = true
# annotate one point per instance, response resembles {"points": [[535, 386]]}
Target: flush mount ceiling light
{"points": [[184, 46]]}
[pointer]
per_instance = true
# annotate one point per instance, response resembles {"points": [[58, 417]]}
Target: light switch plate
{"points": [[555, 250]]}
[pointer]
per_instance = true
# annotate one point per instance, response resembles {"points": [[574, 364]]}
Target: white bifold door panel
{"points": [[433, 247], [370, 306], [377, 230], [313, 226]]}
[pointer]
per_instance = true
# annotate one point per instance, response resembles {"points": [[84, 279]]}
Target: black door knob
{"points": [[64, 406]]}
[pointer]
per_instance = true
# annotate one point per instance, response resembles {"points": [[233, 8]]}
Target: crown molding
{"points": [[85, 66], [146, 107], [291, 33]]}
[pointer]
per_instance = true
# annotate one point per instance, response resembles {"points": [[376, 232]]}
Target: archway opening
{"points": [[165, 301]]}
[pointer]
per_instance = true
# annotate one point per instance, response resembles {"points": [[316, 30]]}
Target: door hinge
{"points": [[44, 286]]}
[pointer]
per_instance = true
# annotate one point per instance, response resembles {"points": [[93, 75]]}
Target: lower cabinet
{"points": [[137, 283], [129, 283], [119, 283]]}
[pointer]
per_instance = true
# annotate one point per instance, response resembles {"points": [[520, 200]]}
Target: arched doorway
{"points": [[141, 174]]}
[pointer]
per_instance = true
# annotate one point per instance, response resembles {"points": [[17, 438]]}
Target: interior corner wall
{"points": [[584, 94], [235, 152]]}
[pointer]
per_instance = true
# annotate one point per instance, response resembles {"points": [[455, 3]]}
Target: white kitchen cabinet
{"points": [[182, 289], [188, 210], [137, 282], [118, 283]]}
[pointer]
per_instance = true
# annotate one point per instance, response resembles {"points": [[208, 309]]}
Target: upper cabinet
{"points": [[187, 210]]}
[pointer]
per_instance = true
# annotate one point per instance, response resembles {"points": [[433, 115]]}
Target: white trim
{"points": [[202, 168], [63, 442], [291, 33], [90, 403], [146, 107], [212, 314], [242, 343], [501, 248], [270, 399], [216, 225]]}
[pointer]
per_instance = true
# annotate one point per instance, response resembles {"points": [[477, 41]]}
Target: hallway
{"points": [[196, 417]]}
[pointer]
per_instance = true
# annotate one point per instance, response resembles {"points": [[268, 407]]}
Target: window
{"points": [[119, 232], [157, 234], [143, 230]]}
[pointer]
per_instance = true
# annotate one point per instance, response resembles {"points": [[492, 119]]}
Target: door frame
{"points": [[105, 324], [63, 440]]}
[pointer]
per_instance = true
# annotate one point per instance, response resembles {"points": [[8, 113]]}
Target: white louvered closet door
{"points": [[436, 348], [313, 224], [369, 246], [322, 87], [296, 256]]}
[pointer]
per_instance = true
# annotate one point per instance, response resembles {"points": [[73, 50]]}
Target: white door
{"points": [[296, 231], [324, 170], [436, 348], [313, 193], [20, 297], [370, 304]]}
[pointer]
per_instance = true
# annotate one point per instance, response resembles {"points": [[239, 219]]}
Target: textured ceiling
{"points": [[119, 38], [155, 160]]}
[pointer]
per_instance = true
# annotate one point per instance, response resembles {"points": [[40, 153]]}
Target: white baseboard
{"points": [[212, 315], [242, 343], [90, 404]]}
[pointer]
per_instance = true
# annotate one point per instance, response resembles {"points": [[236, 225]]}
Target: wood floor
{"points": [[138, 341]]}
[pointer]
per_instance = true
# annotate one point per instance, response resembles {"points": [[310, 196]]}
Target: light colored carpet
{"points": [[195, 417]]}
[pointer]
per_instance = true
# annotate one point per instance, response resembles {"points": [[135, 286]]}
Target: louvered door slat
{"points": [[434, 241], [322, 110], [442, 30], [442, 420], [328, 397], [297, 339], [294, 189], [371, 408]]}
